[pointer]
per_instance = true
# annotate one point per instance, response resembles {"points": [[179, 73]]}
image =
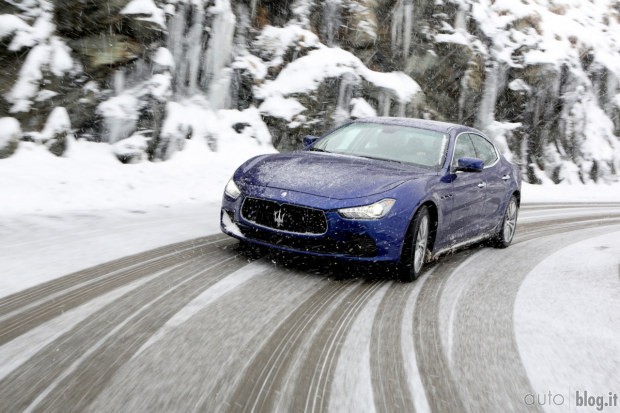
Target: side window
{"points": [[463, 149], [484, 149]]}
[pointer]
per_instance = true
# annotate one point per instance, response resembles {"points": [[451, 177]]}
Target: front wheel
{"points": [[508, 226], [414, 250]]}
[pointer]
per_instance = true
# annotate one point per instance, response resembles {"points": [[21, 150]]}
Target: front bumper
{"points": [[362, 240]]}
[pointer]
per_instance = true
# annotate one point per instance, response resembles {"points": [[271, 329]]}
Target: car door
{"points": [[495, 186], [468, 195]]}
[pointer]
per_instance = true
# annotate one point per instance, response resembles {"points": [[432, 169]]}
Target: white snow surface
{"points": [[567, 314]]}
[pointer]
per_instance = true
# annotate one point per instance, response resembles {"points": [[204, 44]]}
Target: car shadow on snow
{"points": [[328, 267], [339, 269]]}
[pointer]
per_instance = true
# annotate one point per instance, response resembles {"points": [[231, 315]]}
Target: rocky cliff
{"points": [[539, 76]]}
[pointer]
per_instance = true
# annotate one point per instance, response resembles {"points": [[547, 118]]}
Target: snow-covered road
{"points": [[200, 325]]}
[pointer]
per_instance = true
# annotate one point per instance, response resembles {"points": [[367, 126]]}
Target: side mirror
{"points": [[309, 140], [470, 165]]}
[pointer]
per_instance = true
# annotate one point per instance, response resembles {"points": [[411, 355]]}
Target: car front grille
{"points": [[354, 245], [284, 217]]}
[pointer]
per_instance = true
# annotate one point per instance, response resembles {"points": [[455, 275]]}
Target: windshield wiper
{"points": [[319, 150], [381, 159]]}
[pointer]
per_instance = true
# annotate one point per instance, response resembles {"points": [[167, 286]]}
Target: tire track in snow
{"points": [[493, 360], [15, 301], [28, 309], [21, 387], [262, 381], [389, 377], [312, 388], [439, 384]]}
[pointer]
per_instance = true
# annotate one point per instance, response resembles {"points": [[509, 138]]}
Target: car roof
{"points": [[443, 127]]}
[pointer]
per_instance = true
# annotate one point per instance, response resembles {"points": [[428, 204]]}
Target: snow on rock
{"points": [[252, 64], [38, 33], [160, 86], [360, 108], [10, 24], [145, 10], [10, 135], [30, 75], [132, 149], [457, 38], [53, 57], [58, 122], [274, 42], [194, 119], [56, 134], [61, 61], [280, 107], [9, 131], [163, 59], [248, 127], [120, 114], [307, 73]]}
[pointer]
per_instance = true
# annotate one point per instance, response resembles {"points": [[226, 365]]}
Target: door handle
{"points": [[482, 185], [506, 177]]}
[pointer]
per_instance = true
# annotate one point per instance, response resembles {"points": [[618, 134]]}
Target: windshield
{"points": [[387, 142]]}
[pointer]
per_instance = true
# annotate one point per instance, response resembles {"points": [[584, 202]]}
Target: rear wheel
{"points": [[416, 244], [508, 226]]}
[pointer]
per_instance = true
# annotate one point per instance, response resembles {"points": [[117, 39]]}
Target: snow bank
{"points": [[570, 193], [90, 178]]}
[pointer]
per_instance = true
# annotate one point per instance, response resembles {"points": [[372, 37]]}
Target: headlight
{"points": [[372, 211], [232, 190]]}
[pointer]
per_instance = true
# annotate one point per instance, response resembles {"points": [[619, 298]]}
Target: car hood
{"points": [[328, 175]]}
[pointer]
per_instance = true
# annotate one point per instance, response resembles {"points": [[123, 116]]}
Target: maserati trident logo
{"points": [[278, 218]]}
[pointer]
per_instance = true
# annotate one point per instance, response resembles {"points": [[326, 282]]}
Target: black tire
{"points": [[508, 226], [415, 247]]}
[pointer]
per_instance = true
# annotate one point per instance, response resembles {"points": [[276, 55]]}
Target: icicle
{"points": [[176, 45], [119, 81], [460, 21], [384, 104], [216, 78], [253, 9], [408, 17], [345, 94], [486, 109], [194, 46], [331, 21], [402, 26]]}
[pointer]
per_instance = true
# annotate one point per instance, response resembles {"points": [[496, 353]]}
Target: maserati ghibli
{"points": [[392, 190]]}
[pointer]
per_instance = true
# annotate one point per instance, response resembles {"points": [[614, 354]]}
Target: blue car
{"points": [[391, 190]]}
